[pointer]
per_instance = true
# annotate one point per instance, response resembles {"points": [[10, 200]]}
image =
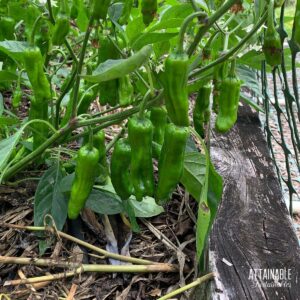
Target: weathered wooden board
{"points": [[253, 229]]}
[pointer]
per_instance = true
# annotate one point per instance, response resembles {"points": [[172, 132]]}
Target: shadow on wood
{"points": [[253, 230]]}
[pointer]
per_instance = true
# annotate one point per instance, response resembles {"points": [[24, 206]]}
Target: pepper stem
{"points": [[91, 138], [232, 68], [34, 28], [143, 104], [184, 26], [270, 21]]}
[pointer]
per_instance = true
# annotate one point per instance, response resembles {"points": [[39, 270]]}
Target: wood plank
{"points": [[253, 229]]}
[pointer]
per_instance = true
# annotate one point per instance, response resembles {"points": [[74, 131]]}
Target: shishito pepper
{"points": [[229, 100], [100, 9], [120, 169], [170, 164], [272, 47], [201, 111], [109, 89], [125, 91], [158, 117], [149, 9], [62, 25], [85, 174], [140, 132], [34, 63], [175, 88]]}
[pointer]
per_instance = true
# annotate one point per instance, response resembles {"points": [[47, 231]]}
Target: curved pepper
{"points": [[85, 100], [201, 111], [272, 47], [34, 64], [229, 100], [125, 91], [61, 29], [158, 117], [140, 132], [149, 9], [85, 174], [170, 164], [120, 169], [175, 88]]}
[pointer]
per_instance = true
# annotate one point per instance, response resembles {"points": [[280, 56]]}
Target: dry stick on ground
{"points": [[87, 245], [79, 270]]}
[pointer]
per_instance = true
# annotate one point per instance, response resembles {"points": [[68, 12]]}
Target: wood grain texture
{"points": [[253, 229]]}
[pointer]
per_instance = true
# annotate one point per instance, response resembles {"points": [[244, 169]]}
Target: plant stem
{"points": [[232, 50], [211, 20], [184, 26], [51, 18], [34, 27], [195, 283], [79, 68]]}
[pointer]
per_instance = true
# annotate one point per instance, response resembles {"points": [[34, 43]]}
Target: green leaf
{"points": [[129, 209], [251, 103], [14, 49], [8, 121], [7, 146], [151, 38], [193, 173], [82, 18], [49, 199], [146, 208], [177, 11], [134, 29], [7, 76], [112, 69], [165, 24], [104, 202]]}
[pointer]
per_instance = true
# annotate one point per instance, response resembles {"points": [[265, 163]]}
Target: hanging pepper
{"points": [[140, 132], [62, 25], [125, 91], [201, 111], [109, 89], [175, 88], [7, 28], [75, 9], [170, 164], [86, 98], [120, 169], [127, 6], [158, 117], [296, 26], [100, 9], [149, 9], [272, 47], [229, 100], [43, 38], [34, 64], [85, 174]]}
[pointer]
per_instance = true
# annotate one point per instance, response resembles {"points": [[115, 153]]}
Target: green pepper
{"points": [[175, 88], [109, 89], [61, 29], [140, 132], [149, 9], [7, 28], [229, 101], [158, 117], [86, 98], [296, 26], [272, 47], [170, 164], [85, 174], [127, 5], [201, 111], [43, 37], [220, 72], [75, 9], [100, 8], [120, 169], [34, 65], [17, 97], [125, 91]]}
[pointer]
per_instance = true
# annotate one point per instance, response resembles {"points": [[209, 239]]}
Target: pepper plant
{"points": [[139, 62]]}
